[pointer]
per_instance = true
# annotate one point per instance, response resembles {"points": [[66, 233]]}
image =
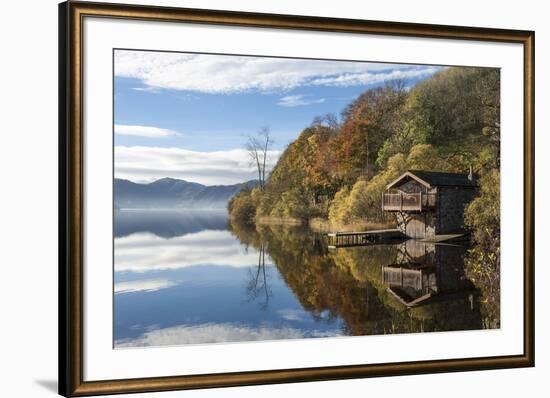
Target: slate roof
{"points": [[434, 179]]}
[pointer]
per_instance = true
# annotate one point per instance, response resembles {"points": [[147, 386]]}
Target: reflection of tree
{"points": [[257, 285], [348, 284], [453, 313], [483, 269]]}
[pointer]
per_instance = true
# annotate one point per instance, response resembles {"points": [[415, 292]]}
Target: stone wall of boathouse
{"points": [[447, 216], [450, 208]]}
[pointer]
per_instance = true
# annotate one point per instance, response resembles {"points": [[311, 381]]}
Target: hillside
{"points": [[174, 193], [337, 168]]}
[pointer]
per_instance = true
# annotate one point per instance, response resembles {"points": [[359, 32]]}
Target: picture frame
{"points": [[73, 206]]}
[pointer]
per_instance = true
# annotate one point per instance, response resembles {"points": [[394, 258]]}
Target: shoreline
{"points": [[323, 225], [295, 222]]}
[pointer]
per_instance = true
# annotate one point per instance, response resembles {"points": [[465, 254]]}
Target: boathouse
{"points": [[427, 203]]}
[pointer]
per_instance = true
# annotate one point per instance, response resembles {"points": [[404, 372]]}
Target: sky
{"points": [[187, 116]]}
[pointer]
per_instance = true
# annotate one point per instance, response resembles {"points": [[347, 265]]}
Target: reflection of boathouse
{"points": [[426, 271], [429, 203]]}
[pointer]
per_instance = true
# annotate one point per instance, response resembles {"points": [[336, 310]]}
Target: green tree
{"points": [[456, 111]]}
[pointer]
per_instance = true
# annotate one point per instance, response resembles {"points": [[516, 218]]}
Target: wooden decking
{"points": [[347, 239]]}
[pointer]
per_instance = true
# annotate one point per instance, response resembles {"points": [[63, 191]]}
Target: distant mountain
{"points": [[171, 192]]}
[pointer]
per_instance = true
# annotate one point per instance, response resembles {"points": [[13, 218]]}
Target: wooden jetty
{"points": [[347, 239]]}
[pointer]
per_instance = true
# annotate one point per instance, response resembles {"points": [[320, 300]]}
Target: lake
{"points": [[192, 277]]}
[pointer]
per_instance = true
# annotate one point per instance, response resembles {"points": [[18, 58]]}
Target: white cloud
{"points": [[149, 285], [298, 100], [218, 333], [142, 252], [366, 78], [146, 89], [232, 74], [143, 131], [140, 163]]}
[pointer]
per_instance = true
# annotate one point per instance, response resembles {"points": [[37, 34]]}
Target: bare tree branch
{"points": [[258, 148]]}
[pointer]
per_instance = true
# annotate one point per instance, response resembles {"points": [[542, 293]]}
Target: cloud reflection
{"points": [[218, 333], [290, 314], [148, 285], [144, 252]]}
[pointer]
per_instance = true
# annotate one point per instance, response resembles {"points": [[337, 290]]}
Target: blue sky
{"points": [[187, 115], [224, 118]]}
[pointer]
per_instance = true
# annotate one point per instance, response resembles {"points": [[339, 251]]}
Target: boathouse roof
{"points": [[434, 179]]}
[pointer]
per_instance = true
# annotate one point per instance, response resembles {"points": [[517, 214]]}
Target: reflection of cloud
{"points": [[298, 100], [143, 131], [143, 252], [217, 333], [291, 314], [149, 285], [140, 163], [233, 74]]}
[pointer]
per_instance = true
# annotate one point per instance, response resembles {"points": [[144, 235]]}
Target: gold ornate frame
{"points": [[71, 15]]}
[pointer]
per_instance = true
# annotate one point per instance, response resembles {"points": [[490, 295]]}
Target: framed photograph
{"points": [[252, 199]]}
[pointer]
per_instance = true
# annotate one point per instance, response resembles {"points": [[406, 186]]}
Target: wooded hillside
{"points": [[338, 168]]}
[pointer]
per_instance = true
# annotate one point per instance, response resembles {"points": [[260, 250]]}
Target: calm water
{"points": [[190, 278]]}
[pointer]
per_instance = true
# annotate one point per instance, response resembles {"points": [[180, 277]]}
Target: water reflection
{"points": [[258, 286], [426, 272], [349, 283], [176, 284], [168, 223], [143, 251], [202, 287]]}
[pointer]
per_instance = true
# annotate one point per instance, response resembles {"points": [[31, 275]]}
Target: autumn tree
{"points": [[368, 122]]}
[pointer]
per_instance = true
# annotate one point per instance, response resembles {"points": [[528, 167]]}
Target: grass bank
{"points": [[323, 225], [280, 221]]}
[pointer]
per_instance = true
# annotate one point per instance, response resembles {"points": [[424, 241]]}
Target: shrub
{"points": [[242, 208]]}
